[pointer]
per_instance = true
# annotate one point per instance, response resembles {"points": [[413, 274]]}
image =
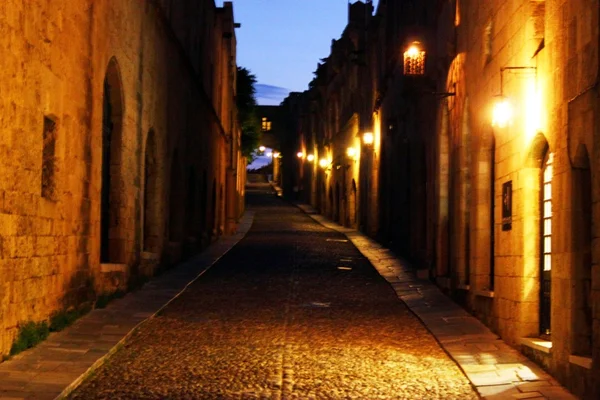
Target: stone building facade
{"points": [[119, 152], [499, 209]]}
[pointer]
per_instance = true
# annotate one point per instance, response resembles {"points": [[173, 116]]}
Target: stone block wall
{"points": [[555, 113], [56, 58]]}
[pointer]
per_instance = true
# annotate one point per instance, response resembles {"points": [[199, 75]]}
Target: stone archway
{"points": [[112, 241], [581, 231], [538, 174]]}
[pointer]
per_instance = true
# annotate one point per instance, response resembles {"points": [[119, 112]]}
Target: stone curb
{"points": [[229, 242], [466, 340]]}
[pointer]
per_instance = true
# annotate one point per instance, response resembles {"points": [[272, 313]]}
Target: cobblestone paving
{"points": [[294, 311]]}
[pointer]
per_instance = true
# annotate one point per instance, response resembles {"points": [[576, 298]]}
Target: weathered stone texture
{"points": [[55, 59]]}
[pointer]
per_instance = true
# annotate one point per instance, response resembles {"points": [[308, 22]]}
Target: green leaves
{"points": [[247, 118]]}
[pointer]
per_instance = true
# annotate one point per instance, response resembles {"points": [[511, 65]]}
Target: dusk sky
{"points": [[281, 41]]}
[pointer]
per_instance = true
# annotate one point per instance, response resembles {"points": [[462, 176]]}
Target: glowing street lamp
{"points": [[262, 148], [276, 154], [351, 152], [323, 163], [269, 154], [368, 138], [300, 154], [414, 60], [502, 113], [310, 158]]}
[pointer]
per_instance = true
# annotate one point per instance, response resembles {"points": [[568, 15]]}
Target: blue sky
{"points": [[281, 41]]}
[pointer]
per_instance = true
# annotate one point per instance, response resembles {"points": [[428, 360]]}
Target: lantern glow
{"points": [[502, 113]]}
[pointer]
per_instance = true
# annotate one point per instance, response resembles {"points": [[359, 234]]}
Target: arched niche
{"points": [[112, 240]]}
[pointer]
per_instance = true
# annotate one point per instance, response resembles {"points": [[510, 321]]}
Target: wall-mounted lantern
{"points": [[414, 60], [310, 158], [502, 112], [261, 148], [323, 163], [276, 154], [300, 154], [351, 152], [368, 138]]}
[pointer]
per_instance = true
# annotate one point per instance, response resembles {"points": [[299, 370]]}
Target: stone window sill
{"points": [[544, 346], [485, 293], [106, 267], [584, 362]]}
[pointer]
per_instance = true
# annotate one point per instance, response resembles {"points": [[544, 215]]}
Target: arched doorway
{"points": [[581, 230], [151, 197], [111, 237]]}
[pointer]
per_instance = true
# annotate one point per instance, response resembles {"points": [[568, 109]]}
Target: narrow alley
{"points": [[293, 311]]}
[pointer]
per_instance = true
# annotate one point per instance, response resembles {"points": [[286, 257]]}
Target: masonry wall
{"points": [[56, 58], [555, 116]]}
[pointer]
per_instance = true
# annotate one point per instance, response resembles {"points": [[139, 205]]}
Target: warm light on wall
{"points": [[276, 154], [533, 111], [310, 158], [502, 113], [414, 60], [351, 152], [368, 138], [300, 154]]}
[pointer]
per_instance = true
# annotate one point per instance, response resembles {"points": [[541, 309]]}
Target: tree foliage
{"points": [[247, 118]]}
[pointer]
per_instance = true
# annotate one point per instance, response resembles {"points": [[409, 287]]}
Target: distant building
{"points": [[119, 151]]}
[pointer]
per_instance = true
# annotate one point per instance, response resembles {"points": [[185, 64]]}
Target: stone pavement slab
{"points": [[277, 318], [498, 371], [56, 366]]}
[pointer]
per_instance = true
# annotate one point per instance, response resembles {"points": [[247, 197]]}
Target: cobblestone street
{"points": [[293, 311]]}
